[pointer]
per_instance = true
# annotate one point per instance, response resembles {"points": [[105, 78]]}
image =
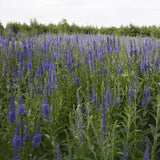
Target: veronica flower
{"points": [[124, 157], [16, 157], [94, 96], [131, 52], [59, 155], [39, 72], [107, 98], [144, 67], [140, 51], [105, 70], [54, 76], [147, 93], [130, 93], [144, 103], [104, 120], [30, 65], [72, 60], [12, 112], [147, 151], [148, 100], [90, 63], [19, 34], [59, 54], [120, 71], [116, 102], [45, 106], [46, 110], [78, 64], [9, 32], [76, 80], [68, 63], [73, 68], [17, 142], [21, 110], [37, 136], [45, 66], [100, 57], [26, 137]]}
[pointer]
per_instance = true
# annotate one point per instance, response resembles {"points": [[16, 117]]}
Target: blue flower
{"points": [[36, 140], [107, 98], [12, 112], [147, 151], [59, 155], [30, 65], [120, 71], [9, 32], [16, 157], [26, 137], [144, 103], [12, 116], [19, 34], [116, 102], [78, 64], [76, 80], [147, 93], [39, 72], [17, 142], [22, 110], [37, 136], [124, 157], [105, 70], [148, 100], [46, 110]]}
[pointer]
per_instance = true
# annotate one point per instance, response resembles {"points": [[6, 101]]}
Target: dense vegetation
{"points": [[64, 27], [88, 97]]}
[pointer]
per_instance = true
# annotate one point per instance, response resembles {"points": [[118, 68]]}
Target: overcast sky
{"points": [[82, 12]]}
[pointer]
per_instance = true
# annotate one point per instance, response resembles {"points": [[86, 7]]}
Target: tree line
{"points": [[63, 27]]}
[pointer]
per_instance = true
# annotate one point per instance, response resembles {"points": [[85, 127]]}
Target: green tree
{"points": [[34, 26], [1, 28], [63, 26]]}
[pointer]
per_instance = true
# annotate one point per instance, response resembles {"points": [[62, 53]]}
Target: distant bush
{"points": [[64, 27]]}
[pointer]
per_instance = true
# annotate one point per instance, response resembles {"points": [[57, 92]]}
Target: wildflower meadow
{"points": [[79, 97]]}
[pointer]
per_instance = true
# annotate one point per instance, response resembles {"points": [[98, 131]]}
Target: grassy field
{"points": [[79, 97]]}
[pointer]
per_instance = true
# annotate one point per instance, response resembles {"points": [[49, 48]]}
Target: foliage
{"points": [[63, 27], [79, 96]]}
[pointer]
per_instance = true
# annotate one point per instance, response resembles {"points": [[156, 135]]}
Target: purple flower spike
{"points": [[26, 137], [147, 93], [46, 111], [9, 32], [76, 80], [116, 102], [105, 70], [30, 65], [124, 157], [144, 103], [37, 136], [147, 151], [17, 142], [59, 155], [12, 112], [120, 71], [22, 110], [148, 100]]}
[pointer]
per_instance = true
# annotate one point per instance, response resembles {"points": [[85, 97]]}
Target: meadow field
{"points": [[79, 97]]}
